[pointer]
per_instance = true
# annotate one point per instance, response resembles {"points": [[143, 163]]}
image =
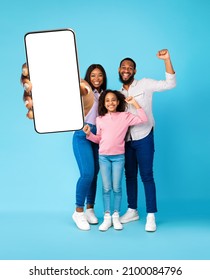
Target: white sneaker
{"points": [[150, 224], [116, 221], [80, 220], [91, 217], [129, 216], [107, 223]]}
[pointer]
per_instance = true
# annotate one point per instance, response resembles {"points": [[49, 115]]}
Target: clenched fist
{"points": [[163, 54]]}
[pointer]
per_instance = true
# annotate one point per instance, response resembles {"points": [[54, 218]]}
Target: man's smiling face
{"points": [[127, 72]]}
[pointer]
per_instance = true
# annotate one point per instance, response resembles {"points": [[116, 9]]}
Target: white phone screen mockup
{"points": [[53, 70]]}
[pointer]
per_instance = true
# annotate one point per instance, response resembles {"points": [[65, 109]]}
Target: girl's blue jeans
{"points": [[112, 168], [140, 154], [86, 154]]}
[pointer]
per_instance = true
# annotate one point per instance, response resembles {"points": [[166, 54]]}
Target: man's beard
{"points": [[127, 82]]}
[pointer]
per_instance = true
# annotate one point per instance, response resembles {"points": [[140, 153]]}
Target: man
{"points": [[139, 147]]}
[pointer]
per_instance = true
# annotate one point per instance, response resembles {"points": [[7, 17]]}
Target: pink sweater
{"points": [[111, 131]]}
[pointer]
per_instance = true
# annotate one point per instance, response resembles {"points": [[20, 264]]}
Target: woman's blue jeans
{"points": [[86, 154], [140, 153], [112, 168]]}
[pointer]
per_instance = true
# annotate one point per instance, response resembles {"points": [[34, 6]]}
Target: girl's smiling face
{"points": [[111, 102]]}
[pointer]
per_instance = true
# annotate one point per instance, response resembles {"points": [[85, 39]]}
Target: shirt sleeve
{"points": [[141, 117], [161, 85]]}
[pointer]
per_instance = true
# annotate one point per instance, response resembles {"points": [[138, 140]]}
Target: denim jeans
{"points": [[112, 168], [140, 153], [86, 154]]}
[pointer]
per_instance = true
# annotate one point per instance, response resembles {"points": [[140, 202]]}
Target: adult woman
{"points": [[85, 151]]}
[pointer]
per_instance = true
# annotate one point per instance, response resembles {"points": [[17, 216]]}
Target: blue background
{"points": [[39, 172]]}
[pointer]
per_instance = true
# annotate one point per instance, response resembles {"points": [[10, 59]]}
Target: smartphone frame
{"points": [[54, 113]]}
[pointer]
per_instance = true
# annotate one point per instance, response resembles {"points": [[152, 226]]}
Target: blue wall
{"points": [[39, 171]]}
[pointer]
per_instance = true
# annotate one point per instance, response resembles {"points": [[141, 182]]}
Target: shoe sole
{"points": [[118, 228], [103, 229], [130, 220], [150, 230], [91, 223]]}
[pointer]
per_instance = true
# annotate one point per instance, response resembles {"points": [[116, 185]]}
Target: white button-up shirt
{"points": [[142, 91]]}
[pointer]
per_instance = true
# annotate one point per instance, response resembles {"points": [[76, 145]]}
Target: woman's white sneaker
{"points": [[116, 221], [91, 217], [129, 216], [80, 220], [107, 223]]}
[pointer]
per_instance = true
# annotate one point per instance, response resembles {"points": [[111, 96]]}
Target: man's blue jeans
{"points": [[86, 154], [140, 154], [112, 168]]}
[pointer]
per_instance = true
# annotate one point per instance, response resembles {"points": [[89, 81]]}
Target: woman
{"points": [[85, 151]]}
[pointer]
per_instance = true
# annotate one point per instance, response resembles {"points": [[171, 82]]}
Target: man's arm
{"points": [[164, 54]]}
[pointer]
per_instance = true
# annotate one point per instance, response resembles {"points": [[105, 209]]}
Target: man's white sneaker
{"points": [[91, 217], [116, 221], [150, 224], [107, 223], [80, 220], [129, 216]]}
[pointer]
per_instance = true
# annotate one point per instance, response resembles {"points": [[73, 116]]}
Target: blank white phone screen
{"points": [[53, 69]]}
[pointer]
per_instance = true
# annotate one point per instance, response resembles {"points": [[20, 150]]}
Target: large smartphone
{"points": [[52, 61]]}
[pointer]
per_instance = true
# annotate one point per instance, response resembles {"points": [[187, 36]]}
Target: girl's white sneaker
{"points": [[116, 221], [107, 223]]}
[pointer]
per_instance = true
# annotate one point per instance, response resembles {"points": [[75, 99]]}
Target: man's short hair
{"points": [[130, 59]]}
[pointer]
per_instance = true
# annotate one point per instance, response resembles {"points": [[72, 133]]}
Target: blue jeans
{"points": [[86, 154], [112, 168], [140, 153]]}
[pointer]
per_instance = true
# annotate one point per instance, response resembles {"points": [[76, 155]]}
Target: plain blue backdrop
{"points": [[39, 172]]}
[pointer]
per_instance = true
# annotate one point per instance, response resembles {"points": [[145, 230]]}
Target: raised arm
{"points": [[141, 117], [164, 54]]}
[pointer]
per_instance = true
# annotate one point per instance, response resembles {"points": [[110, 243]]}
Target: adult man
{"points": [[139, 147]]}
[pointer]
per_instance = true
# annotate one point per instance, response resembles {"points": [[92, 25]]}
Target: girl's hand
{"points": [[86, 129], [132, 100], [129, 99]]}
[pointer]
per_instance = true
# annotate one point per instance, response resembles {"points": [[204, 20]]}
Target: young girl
{"points": [[112, 125]]}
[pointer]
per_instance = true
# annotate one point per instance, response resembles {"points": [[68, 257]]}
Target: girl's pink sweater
{"points": [[112, 128]]}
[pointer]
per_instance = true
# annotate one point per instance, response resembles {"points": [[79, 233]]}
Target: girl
{"points": [[112, 125]]}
